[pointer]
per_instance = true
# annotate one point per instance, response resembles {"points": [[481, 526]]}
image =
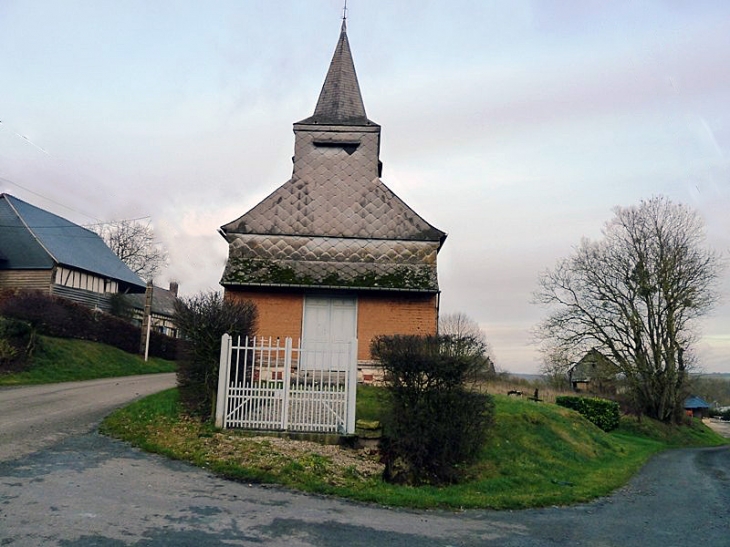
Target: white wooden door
{"points": [[329, 325]]}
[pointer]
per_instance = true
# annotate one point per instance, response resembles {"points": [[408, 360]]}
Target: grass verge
{"points": [[537, 455], [64, 360]]}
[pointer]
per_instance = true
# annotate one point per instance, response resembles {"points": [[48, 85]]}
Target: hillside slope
{"points": [[64, 360]]}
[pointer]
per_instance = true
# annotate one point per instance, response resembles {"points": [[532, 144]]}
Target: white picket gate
{"points": [[264, 384]]}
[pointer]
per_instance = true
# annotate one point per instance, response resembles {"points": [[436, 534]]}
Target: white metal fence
{"points": [[264, 384]]}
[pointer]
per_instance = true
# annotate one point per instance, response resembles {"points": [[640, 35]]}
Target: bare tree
{"points": [[460, 326], [135, 244], [635, 296]]}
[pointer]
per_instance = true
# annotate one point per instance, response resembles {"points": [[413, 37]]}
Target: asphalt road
{"points": [[35, 417], [90, 490]]}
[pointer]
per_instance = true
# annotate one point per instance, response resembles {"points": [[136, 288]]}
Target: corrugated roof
{"points": [[34, 238]]}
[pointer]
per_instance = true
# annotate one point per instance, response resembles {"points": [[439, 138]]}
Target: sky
{"points": [[515, 126]]}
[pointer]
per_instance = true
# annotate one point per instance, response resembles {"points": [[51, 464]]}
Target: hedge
{"points": [[601, 412]]}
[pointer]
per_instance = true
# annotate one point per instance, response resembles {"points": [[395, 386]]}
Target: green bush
{"points": [[17, 340], [203, 319], [433, 425], [601, 412], [724, 415]]}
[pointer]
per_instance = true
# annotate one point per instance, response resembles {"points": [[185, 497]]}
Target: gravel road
{"points": [[90, 490]]}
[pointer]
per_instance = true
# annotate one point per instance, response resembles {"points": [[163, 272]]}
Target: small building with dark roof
{"points": [[333, 254], [594, 373], [45, 252], [696, 407], [162, 309]]}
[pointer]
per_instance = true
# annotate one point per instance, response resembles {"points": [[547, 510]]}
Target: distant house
{"points": [[333, 254], [594, 373], [42, 251], [162, 309], [696, 407]]}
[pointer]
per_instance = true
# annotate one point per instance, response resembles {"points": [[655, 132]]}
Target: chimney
{"points": [[173, 288]]}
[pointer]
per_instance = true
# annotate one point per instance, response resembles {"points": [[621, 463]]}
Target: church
{"points": [[333, 255]]}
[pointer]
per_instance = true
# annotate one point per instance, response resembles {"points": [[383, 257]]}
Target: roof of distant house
{"points": [[693, 401], [32, 238], [163, 301]]}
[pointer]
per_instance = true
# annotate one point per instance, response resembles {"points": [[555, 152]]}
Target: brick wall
{"points": [[280, 314], [401, 313]]}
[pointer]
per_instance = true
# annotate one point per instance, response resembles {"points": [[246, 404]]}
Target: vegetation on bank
{"points": [[61, 318], [537, 454], [64, 360]]}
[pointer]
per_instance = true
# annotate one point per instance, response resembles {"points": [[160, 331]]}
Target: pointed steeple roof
{"points": [[340, 101]]}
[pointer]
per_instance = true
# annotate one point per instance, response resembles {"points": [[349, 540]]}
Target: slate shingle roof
{"points": [[31, 238], [163, 301], [340, 101], [335, 205]]}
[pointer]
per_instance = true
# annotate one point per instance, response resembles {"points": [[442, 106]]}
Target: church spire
{"points": [[340, 101]]}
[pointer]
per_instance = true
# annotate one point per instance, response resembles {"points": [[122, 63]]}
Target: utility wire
{"points": [[98, 222]]}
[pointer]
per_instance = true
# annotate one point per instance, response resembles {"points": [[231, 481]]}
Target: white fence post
{"points": [[223, 375], [351, 387], [287, 383]]}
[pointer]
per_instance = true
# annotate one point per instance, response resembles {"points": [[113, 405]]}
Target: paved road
{"points": [[34, 417], [90, 490]]}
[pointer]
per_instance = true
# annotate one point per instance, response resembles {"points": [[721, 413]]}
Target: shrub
{"points": [[434, 425], [601, 412], [203, 319], [17, 340]]}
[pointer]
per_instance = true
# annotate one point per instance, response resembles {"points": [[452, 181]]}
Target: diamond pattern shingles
{"points": [[354, 263]]}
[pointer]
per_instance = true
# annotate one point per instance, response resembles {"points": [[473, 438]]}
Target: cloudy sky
{"points": [[515, 126]]}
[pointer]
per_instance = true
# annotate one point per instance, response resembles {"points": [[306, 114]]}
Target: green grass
{"points": [[369, 403], [62, 360], [536, 455]]}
